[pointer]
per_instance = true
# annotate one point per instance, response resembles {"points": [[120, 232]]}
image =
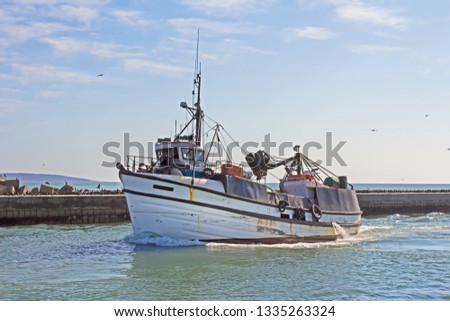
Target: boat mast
{"points": [[198, 111], [195, 111]]}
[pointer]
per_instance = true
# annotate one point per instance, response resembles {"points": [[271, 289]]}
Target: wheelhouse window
{"points": [[167, 155], [188, 154]]}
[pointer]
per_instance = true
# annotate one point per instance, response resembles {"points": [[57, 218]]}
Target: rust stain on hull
{"points": [[191, 194], [264, 223]]}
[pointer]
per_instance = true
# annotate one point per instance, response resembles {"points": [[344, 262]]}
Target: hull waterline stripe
{"points": [[227, 209]]}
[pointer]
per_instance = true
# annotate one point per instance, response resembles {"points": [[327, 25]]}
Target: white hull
{"points": [[169, 205]]}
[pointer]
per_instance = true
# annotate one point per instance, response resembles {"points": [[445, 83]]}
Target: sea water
{"points": [[394, 257]]}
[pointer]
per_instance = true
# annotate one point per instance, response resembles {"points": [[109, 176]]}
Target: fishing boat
{"points": [[182, 194]]}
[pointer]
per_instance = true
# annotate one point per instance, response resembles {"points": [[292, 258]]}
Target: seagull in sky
{"points": [[100, 75], [373, 129], [448, 148], [427, 115]]}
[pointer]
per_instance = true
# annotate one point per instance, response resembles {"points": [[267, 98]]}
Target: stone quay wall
{"points": [[62, 209]]}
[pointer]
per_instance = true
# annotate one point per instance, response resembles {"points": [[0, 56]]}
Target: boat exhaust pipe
{"points": [[343, 183]]}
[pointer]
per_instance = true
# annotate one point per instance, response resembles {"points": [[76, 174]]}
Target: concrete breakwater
{"points": [[63, 209], [96, 209], [404, 203]]}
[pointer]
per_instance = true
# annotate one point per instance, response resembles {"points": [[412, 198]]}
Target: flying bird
{"points": [[448, 148], [427, 115], [98, 186], [100, 75], [47, 183], [373, 129]]}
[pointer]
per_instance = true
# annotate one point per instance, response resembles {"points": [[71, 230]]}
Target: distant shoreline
{"points": [[55, 178]]}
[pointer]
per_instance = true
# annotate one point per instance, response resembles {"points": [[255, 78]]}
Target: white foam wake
{"points": [[340, 230]]}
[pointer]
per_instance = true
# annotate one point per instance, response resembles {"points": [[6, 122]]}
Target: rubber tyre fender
{"points": [[316, 212], [299, 214], [282, 206]]}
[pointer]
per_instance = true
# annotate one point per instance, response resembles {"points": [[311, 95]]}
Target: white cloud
{"points": [[36, 19], [10, 90], [111, 50], [50, 94], [315, 33], [373, 48], [83, 14], [216, 6], [46, 2], [153, 67], [16, 27], [133, 18], [360, 12], [185, 26], [43, 73], [233, 46], [311, 4], [37, 1], [32, 30], [67, 45], [7, 17]]}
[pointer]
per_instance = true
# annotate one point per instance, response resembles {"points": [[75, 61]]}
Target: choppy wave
{"points": [[396, 257], [163, 241]]}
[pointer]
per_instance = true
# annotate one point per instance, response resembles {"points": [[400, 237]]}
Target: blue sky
{"points": [[294, 69]]}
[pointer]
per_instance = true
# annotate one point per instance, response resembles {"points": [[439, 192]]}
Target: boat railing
{"points": [[135, 163]]}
